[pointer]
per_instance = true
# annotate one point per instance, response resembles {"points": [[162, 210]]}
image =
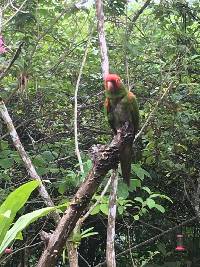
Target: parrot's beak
{"points": [[110, 86]]}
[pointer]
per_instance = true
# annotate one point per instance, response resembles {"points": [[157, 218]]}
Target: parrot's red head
{"points": [[112, 82]]}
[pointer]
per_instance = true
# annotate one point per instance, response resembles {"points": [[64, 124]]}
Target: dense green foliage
{"points": [[157, 52]]}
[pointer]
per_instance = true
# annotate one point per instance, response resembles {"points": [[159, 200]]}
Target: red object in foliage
{"points": [[180, 247], [8, 251], [2, 47]]}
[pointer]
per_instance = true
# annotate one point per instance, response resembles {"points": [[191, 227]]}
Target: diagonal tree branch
{"points": [[83, 218], [107, 159]]}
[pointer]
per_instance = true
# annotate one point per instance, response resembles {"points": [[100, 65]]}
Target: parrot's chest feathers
{"points": [[120, 112]]}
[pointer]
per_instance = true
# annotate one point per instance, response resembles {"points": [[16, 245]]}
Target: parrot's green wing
{"points": [[126, 150], [134, 111]]}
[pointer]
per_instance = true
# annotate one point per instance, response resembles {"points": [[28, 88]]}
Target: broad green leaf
{"points": [[139, 171], [13, 203], [39, 161], [134, 183], [139, 199], [161, 196], [48, 156], [89, 234], [95, 210], [6, 214], [160, 208], [62, 188], [122, 190], [120, 209], [21, 224], [87, 230], [104, 208], [42, 170], [145, 188], [76, 237], [195, 56], [19, 236], [143, 211], [6, 163], [121, 201], [128, 205], [150, 203]]}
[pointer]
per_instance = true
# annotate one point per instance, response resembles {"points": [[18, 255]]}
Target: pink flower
{"points": [[8, 251], [2, 47]]}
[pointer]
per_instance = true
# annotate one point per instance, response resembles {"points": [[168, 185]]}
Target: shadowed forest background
{"points": [[154, 51]]}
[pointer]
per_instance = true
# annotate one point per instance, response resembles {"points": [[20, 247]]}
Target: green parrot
{"points": [[121, 106]]}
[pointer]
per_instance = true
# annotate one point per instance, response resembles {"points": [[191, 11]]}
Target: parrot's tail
{"points": [[125, 161]]}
